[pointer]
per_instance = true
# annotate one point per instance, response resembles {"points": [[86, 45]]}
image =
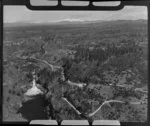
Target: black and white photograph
{"points": [[75, 65]]}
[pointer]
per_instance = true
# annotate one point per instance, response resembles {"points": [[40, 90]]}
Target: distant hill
{"points": [[18, 24], [78, 23]]}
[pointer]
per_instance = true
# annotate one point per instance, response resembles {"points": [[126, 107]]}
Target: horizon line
{"points": [[69, 20]]}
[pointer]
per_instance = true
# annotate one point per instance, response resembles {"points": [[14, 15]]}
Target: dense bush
{"points": [[93, 62]]}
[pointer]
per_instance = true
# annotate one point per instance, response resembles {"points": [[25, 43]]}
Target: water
{"points": [[34, 109]]}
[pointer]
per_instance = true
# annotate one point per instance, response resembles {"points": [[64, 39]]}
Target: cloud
{"points": [[71, 20]]}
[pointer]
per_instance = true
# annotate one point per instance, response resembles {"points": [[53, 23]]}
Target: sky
{"points": [[13, 14]]}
